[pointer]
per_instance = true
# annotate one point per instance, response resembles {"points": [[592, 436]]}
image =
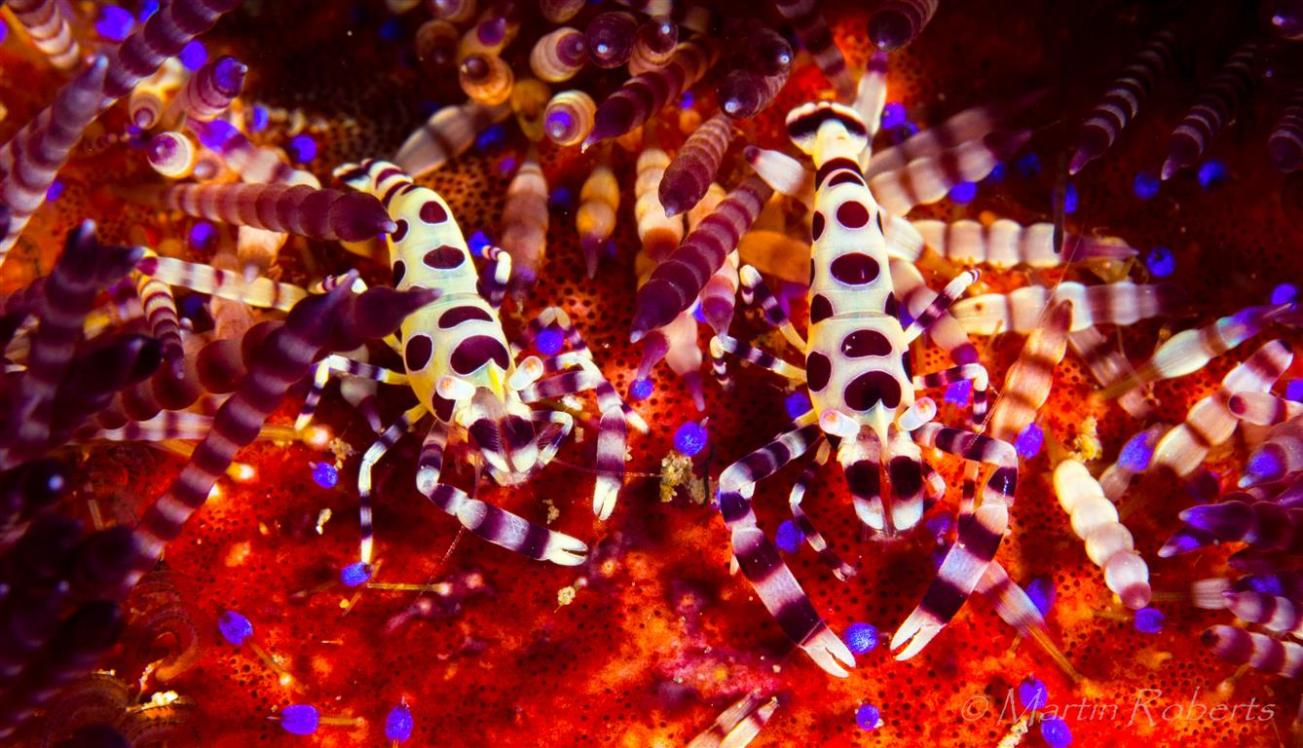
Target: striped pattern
{"points": [[1020, 311], [813, 33], [429, 465], [1285, 144], [813, 537], [941, 304], [1108, 542], [1209, 421], [1189, 351], [47, 27], [210, 91], [599, 204], [721, 344], [496, 277], [975, 373], [448, 133], [783, 173], [148, 101], [1004, 244], [745, 93], [916, 296], [524, 223], [502, 528], [968, 126], [756, 291], [871, 99], [259, 292], [653, 45], [1010, 601], [1258, 651], [643, 95], [1276, 614], [1029, 380], [691, 172], [719, 295], [568, 117], [333, 364], [162, 36], [1267, 526], [82, 271], [1264, 409], [1278, 457], [1216, 107], [658, 232], [254, 163], [34, 155], [676, 282], [486, 79], [739, 724], [282, 359], [608, 461], [1123, 100], [161, 316], [927, 179], [172, 155], [325, 214], [170, 424], [558, 55], [1107, 364], [898, 22]]}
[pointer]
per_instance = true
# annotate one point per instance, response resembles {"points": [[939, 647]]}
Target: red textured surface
{"points": [[659, 637]]}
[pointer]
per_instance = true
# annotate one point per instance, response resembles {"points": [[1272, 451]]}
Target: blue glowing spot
{"points": [[1294, 390], [959, 393], [507, 165], [964, 192], [477, 243], [1029, 441], [216, 134], [1027, 166], [688, 100], [1149, 620], [55, 190], [797, 404], [201, 234], [690, 438], [234, 628], [903, 132], [698, 314], [641, 389], [302, 148], [868, 717], [259, 118], [147, 9], [558, 123], [939, 556], [114, 23], [937, 527], [1055, 732], [4, 32], [893, 115], [789, 537], [300, 719], [1145, 186], [1041, 592], [1032, 693], [561, 199], [1285, 293], [193, 55], [1071, 199], [399, 724], [390, 30], [1264, 466], [1212, 173], [1136, 453], [324, 474], [1267, 584], [861, 638], [549, 341], [1161, 262], [997, 174], [492, 137], [355, 574]]}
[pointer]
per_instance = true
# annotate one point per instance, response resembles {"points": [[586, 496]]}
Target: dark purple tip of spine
{"points": [[614, 117], [718, 314], [890, 29], [357, 216], [654, 307], [228, 76], [1229, 520], [572, 49], [492, 31]]}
